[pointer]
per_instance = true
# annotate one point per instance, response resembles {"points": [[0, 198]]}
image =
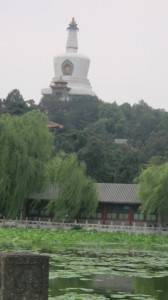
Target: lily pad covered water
{"points": [[93, 265], [109, 274]]}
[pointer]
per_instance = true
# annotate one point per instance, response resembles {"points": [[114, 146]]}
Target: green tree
{"points": [[157, 145], [114, 119], [70, 142], [26, 147], [94, 156], [55, 109], [14, 104], [77, 192], [83, 111], [129, 165], [77, 113], [144, 123], [153, 189]]}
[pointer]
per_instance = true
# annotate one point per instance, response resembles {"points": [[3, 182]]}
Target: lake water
{"points": [[109, 274]]}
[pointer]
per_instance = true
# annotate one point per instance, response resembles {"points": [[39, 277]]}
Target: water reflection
{"points": [[116, 284], [104, 285], [59, 285], [156, 287]]}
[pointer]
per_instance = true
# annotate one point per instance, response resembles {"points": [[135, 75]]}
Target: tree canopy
{"points": [[28, 165], [26, 147], [77, 192], [153, 189], [91, 128], [15, 104]]}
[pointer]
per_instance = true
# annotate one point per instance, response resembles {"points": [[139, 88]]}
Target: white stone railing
{"points": [[86, 226]]}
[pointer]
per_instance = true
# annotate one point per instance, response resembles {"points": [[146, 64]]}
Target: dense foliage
{"points": [[28, 165], [153, 189], [26, 147], [77, 192], [14, 104], [115, 141]]}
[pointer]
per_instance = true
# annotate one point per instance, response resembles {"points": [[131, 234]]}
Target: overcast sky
{"points": [[126, 40]]}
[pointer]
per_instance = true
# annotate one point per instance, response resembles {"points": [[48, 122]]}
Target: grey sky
{"points": [[126, 40]]}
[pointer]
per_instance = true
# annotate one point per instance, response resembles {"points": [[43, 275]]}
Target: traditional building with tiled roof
{"points": [[118, 204]]}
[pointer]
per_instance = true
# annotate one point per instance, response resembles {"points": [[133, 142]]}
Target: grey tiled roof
{"points": [[118, 193], [108, 193]]}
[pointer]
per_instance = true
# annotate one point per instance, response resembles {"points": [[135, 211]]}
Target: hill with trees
{"points": [[28, 165], [115, 141]]}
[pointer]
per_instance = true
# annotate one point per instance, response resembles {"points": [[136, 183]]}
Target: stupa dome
{"points": [[72, 66]]}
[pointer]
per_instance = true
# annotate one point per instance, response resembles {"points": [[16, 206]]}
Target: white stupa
{"points": [[72, 66]]}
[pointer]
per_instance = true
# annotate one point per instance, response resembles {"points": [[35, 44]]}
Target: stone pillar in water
{"points": [[23, 276]]}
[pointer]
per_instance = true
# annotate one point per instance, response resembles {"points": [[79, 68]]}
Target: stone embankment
{"points": [[50, 225]]}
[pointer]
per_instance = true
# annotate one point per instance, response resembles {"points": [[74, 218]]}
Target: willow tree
{"points": [[25, 149], [76, 192], [153, 190]]}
